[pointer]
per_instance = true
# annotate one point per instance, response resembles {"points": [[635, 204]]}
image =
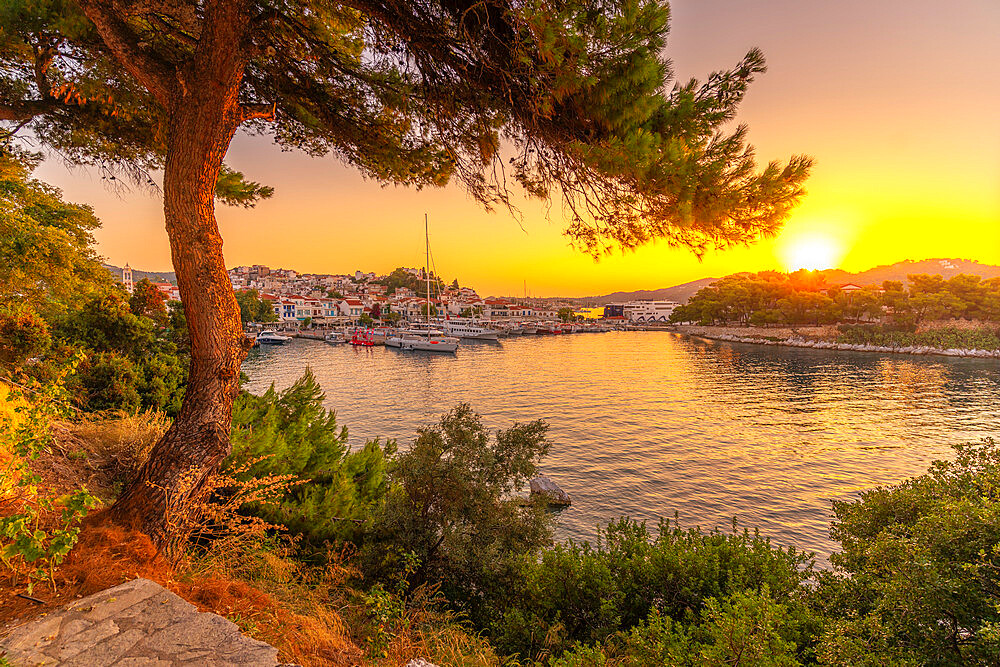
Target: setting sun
{"points": [[811, 252]]}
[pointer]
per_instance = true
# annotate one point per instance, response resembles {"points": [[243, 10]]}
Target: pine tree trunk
{"points": [[202, 124]]}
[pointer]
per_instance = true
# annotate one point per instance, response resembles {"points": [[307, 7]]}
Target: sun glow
{"points": [[811, 252]]}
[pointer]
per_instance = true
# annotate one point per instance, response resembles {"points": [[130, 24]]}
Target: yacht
{"points": [[429, 344], [272, 338], [469, 330], [420, 329], [423, 337]]}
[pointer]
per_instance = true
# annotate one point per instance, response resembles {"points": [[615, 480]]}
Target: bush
{"points": [[291, 433], [578, 593], [23, 335], [453, 505], [919, 574], [983, 338], [108, 382]]}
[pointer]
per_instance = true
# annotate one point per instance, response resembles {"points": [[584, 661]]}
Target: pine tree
{"points": [[571, 99]]}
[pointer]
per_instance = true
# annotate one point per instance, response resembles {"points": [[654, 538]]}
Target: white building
{"points": [[352, 308], [649, 311], [127, 278]]}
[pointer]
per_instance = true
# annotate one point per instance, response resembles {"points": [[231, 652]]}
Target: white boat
{"points": [[429, 344], [420, 329], [469, 330], [272, 338], [335, 338], [423, 337]]}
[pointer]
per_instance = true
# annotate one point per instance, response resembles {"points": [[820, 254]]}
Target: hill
{"points": [[137, 275], [679, 293], [947, 268]]}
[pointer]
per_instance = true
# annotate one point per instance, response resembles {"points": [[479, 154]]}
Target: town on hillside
{"points": [[302, 299]]}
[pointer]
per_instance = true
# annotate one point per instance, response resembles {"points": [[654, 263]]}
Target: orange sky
{"points": [[897, 100]]}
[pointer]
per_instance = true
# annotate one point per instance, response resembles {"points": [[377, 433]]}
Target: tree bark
{"points": [[203, 121]]}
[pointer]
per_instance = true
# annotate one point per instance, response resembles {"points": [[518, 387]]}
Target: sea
{"points": [[651, 424]]}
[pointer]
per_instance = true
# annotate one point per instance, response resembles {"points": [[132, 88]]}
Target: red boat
{"points": [[363, 338]]}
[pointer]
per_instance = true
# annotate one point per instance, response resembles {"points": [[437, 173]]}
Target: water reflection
{"points": [[645, 424]]}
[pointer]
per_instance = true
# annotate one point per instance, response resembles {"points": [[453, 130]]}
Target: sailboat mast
{"points": [[427, 274]]}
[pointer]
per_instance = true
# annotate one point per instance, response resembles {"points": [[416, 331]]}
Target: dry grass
{"points": [[438, 638], [120, 443]]}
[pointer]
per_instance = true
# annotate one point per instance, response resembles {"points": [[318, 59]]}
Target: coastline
{"points": [[815, 338]]}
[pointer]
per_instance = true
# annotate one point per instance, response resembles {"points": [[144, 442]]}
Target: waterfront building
{"points": [[352, 308], [649, 311], [614, 311]]}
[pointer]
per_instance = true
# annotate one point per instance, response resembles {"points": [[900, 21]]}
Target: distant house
{"points": [[352, 308], [850, 287], [169, 290]]}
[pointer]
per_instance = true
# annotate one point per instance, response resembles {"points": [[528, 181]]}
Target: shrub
{"points": [[578, 593], [983, 338], [453, 504], [23, 335], [290, 433], [919, 574]]}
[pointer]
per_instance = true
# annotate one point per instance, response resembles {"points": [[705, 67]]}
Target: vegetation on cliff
{"points": [[805, 298]]}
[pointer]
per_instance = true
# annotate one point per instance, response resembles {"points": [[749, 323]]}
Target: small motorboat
{"points": [[334, 339], [272, 338]]}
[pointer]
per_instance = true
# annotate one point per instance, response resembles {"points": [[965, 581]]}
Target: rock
{"points": [[420, 662], [546, 488], [136, 623]]}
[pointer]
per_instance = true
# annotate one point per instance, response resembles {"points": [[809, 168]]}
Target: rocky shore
{"points": [[793, 338]]}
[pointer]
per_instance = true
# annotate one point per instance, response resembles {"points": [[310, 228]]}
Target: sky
{"points": [[898, 101]]}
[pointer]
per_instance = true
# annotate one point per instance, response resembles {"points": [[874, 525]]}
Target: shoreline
{"points": [[757, 336]]}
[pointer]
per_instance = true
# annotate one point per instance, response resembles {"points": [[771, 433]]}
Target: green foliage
{"points": [[745, 628], [453, 504], [365, 320], [768, 297], [581, 94], [46, 254], [253, 308], [147, 300], [803, 297], [418, 284], [291, 433], [133, 362], [578, 593], [233, 189], [566, 314], [387, 608], [23, 335], [981, 338], [26, 547], [919, 571]]}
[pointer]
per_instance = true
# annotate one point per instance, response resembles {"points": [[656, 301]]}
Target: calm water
{"points": [[646, 424]]}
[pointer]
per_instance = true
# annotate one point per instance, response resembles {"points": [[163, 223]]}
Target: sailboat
{"points": [[432, 341]]}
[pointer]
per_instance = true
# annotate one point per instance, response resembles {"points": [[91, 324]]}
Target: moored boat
{"points": [[272, 338], [469, 330], [429, 344]]}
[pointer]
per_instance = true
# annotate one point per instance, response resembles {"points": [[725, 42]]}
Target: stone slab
{"points": [[136, 624]]}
